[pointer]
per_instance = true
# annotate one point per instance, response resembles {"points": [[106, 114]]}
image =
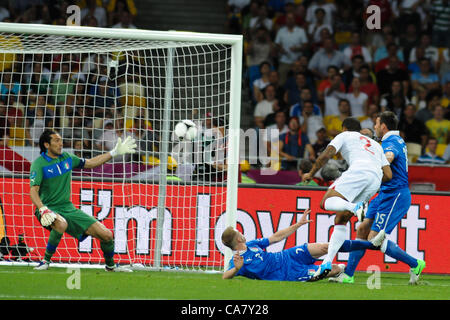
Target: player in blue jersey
{"points": [[390, 206], [251, 260]]}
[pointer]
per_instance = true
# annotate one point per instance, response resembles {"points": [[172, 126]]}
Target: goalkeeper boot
{"points": [[415, 272], [118, 268], [43, 265]]}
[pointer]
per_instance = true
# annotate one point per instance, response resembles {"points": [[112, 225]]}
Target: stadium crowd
{"points": [[312, 63], [307, 66]]}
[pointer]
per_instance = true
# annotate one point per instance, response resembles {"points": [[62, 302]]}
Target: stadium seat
{"points": [[414, 151]]}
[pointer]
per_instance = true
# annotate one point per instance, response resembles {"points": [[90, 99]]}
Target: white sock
{"points": [[337, 239], [338, 204]]}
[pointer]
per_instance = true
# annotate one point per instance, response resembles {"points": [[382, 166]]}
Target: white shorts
{"points": [[357, 185]]}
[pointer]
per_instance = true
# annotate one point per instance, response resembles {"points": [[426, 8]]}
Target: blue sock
{"points": [[353, 245], [394, 251], [353, 261]]}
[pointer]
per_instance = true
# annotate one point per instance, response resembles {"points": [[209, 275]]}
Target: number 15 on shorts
{"points": [[380, 220]]}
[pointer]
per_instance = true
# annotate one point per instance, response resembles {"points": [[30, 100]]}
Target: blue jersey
{"points": [[394, 143], [294, 264]]}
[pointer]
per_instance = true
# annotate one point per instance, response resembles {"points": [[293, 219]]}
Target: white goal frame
{"points": [[170, 39]]}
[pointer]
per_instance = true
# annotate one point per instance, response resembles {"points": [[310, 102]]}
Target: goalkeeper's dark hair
{"points": [[46, 136], [351, 124], [389, 119]]}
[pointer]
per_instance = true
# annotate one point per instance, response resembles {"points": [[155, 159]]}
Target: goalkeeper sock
{"points": [[52, 244], [108, 252]]}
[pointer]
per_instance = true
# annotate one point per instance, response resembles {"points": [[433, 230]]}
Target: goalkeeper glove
{"points": [[47, 216], [127, 146]]}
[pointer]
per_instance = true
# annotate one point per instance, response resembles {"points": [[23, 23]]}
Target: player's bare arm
{"points": [[284, 233], [324, 157], [387, 173], [238, 263], [390, 156]]}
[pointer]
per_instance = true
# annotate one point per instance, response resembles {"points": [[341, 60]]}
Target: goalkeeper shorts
{"points": [[77, 221]]}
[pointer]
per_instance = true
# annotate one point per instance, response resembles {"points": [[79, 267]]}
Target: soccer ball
{"points": [[185, 130]]}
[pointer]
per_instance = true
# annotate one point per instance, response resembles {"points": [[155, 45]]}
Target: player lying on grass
{"points": [[50, 188], [251, 260]]}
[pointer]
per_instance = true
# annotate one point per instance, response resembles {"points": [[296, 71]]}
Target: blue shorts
{"points": [[301, 264], [396, 203]]}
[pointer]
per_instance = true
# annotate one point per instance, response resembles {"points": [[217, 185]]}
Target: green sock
{"points": [[52, 244], [108, 252]]}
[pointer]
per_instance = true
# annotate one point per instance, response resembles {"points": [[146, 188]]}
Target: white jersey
{"points": [[360, 152]]}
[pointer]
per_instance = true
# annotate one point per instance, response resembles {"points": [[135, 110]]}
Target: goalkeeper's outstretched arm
{"points": [[122, 147]]}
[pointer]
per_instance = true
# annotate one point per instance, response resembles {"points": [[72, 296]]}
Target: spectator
{"points": [[291, 40], [409, 11], [280, 91], [431, 157], [115, 8], [260, 83], [439, 127], [382, 55], [329, 8], [332, 96], [38, 126], [349, 74], [104, 100], [279, 127], [369, 121], [358, 100], [345, 24], [289, 7], [391, 73], [8, 86], [39, 80], [270, 118], [93, 10], [325, 57], [392, 50], [395, 99], [414, 67], [309, 121], [431, 52], [63, 86], [367, 85], [424, 80], [296, 109], [260, 49], [293, 95], [264, 107], [440, 13], [319, 24], [125, 21], [326, 83], [357, 49], [445, 101], [333, 123], [322, 141], [305, 166], [261, 20], [432, 100], [245, 15], [408, 41], [293, 144]]}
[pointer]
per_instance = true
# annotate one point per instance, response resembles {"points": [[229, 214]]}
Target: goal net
{"points": [[166, 205]]}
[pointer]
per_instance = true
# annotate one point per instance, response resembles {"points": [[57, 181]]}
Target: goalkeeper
{"points": [[50, 188]]}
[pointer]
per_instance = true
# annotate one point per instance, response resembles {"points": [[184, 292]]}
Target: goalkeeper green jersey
{"points": [[54, 177]]}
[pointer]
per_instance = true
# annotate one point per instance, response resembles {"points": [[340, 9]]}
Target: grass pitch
{"points": [[24, 283]]}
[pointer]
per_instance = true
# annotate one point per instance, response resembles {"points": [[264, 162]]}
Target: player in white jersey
{"points": [[349, 194]]}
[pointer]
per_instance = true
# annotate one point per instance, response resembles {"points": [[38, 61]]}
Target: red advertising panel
{"points": [[194, 219]]}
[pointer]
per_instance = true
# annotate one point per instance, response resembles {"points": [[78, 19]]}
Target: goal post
{"points": [[166, 205]]}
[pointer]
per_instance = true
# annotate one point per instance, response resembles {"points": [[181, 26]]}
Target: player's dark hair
{"points": [[351, 124], [389, 119], [46, 136]]}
